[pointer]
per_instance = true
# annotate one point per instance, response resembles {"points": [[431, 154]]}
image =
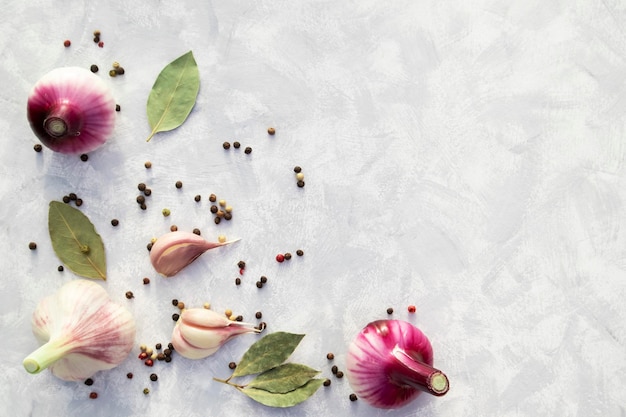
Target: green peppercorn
{"points": [[112, 73], [32, 246], [179, 184], [38, 147], [166, 212], [146, 391], [94, 68], [115, 222]]}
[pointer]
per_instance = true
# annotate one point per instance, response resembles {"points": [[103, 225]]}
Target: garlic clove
{"points": [[175, 250], [187, 350], [81, 331], [202, 317]]}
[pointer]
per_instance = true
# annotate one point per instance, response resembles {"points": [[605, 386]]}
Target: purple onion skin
{"points": [[71, 110], [389, 363]]}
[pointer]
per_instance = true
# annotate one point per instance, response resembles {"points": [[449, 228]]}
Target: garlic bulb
{"points": [[82, 332], [71, 110], [200, 332]]}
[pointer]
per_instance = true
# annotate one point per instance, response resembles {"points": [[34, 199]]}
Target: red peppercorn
{"points": [[93, 395], [67, 43], [241, 271], [100, 44], [280, 257], [143, 355], [149, 362], [411, 309]]}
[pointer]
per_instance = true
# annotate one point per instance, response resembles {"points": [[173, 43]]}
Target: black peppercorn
{"points": [[228, 216], [73, 196], [334, 369], [339, 374], [120, 71], [327, 382], [237, 281], [149, 246], [239, 318], [117, 107], [259, 284], [32, 246], [390, 310], [353, 397], [214, 209], [237, 145], [147, 192], [174, 302], [212, 198], [170, 346], [84, 157], [258, 315], [217, 220], [158, 346], [175, 316], [179, 184], [129, 295], [197, 198], [167, 352], [141, 186], [262, 326], [38, 147], [300, 184], [153, 377], [248, 150], [89, 382], [330, 356], [129, 375], [143, 206], [161, 356], [168, 359], [226, 145], [197, 231], [141, 199], [173, 228], [115, 222], [78, 202], [94, 68], [297, 169], [299, 252], [287, 256], [263, 279], [146, 281], [232, 365], [241, 264], [66, 198], [60, 268]]}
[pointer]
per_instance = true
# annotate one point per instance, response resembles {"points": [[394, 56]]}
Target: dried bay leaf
{"points": [[173, 94], [287, 399], [283, 378], [75, 241], [267, 353]]}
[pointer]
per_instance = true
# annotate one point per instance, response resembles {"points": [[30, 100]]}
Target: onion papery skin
{"points": [[76, 99], [388, 364]]}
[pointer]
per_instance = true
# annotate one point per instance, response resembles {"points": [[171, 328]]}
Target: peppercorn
{"points": [[339, 374], [146, 281], [228, 312], [167, 352], [147, 192], [32, 246], [141, 199], [179, 184], [158, 346], [112, 73], [120, 70], [146, 391], [220, 213], [141, 186], [96, 32], [411, 309], [94, 68], [299, 252], [300, 176], [115, 222], [287, 256], [129, 295], [148, 164], [197, 198], [174, 302], [129, 375], [280, 257], [237, 145], [221, 238], [38, 147], [89, 382], [149, 246], [241, 264], [353, 397], [271, 131], [173, 228], [118, 107], [263, 279], [153, 377], [67, 43], [217, 220], [60, 268], [170, 346], [143, 355], [197, 231], [226, 145], [166, 212], [297, 169], [93, 395], [73, 196], [143, 206], [330, 356], [248, 150], [262, 326], [214, 209], [212, 198], [259, 284], [180, 305], [258, 314], [101, 44], [66, 199], [390, 310], [334, 369], [228, 216], [78, 202], [237, 281], [239, 318], [300, 184]]}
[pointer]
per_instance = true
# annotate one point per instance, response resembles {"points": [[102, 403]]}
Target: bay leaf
{"points": [[75, 241], [173, 94], [267, 353], [283, 400], [283, 378]]}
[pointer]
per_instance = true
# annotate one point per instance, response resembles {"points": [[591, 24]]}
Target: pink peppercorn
{"points": [[411, 309], [149, 362], [143, 355], [280, 257], [67, 43], [101, 44]]}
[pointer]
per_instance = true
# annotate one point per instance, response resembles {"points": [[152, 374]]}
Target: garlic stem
{"points": [[46, 355], [418, 375]]}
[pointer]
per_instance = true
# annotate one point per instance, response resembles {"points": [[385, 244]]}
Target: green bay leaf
{"points": [[283, 378], [75, 241], [267, 353], [287, 399], [173, 94]]}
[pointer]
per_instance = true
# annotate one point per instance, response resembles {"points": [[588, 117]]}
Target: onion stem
{"points": [[419, 375], [62, 120]]}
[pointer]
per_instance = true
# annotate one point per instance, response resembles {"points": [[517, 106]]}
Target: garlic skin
{"points": [[71, 110], [81, 331], [200, 332], [175, 250]]}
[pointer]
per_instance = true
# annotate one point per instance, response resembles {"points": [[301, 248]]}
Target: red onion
{"points": [[389, 364], [71, 110]]}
